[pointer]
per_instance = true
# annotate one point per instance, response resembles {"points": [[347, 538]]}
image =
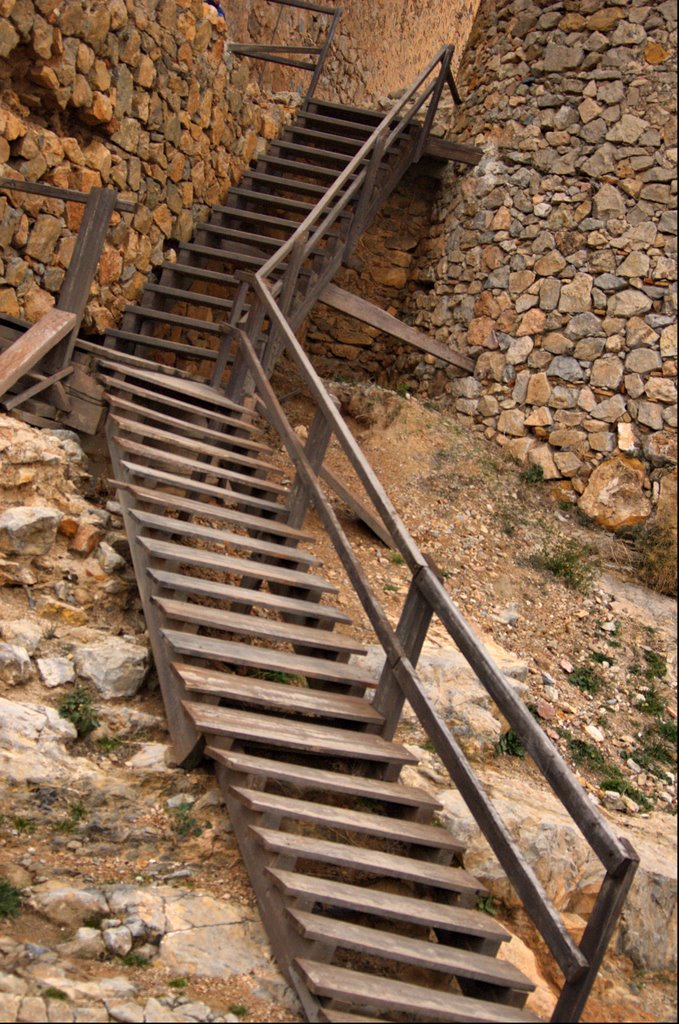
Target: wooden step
{"points": [[247, 237], [267, 199], [226, 255], [176, 440], [163, 344], [345, 819], [199, 273], [194, 389], [310, 117], [342, 1017], [256, 626], [292, 184], [239, 214], [205, 468], [321, 780], [265, 659], [191, 297], [243, 596], [306, 737], [376, 992], [231, 422], [189, 323], [240, 541], [443, 916], [258, 524], [278, 696], [283, 146], [185, 425], [246, 567], [353, 144], [430, 956], [187, 484], [125, 360], [300, 167], [371, 862]]}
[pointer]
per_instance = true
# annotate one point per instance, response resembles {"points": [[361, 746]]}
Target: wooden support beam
{"points": [[356, 506], [27, 351], [369, 313], [56, 394], [457, 152]]}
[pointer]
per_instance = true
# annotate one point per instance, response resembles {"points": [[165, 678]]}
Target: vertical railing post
{"points": [[315, 448], [597, 935], [323, 57], [227, 334], [446, 60], [412, 632], [290, 280]]}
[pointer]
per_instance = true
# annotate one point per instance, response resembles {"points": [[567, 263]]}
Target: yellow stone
{"points": [[655, 53]]}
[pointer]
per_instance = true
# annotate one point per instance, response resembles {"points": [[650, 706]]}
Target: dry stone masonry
{"points": [[557, 265], [142, 96]]}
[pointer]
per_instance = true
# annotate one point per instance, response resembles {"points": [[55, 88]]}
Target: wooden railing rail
{"points": [[400, 682], [288, 55]]}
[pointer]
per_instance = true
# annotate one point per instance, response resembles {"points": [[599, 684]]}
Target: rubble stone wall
{"points": [[141, 95]]}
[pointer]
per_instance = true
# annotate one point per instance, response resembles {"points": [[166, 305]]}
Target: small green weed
{"points": [[533, 475], [78, 708], [586, 753], [429, 746], [185, 824], [279, 677], [133, 959], [615, 781], [656, 665], [486, 905], [54, 993], [389, 588], [402, 389], [76, 813], [108, 744], [571, 561], [10, 900], [396, 558], [652, 702], [178, 983], [20, 823], [586, 679], [668, 731], [600, 659], [511, 745]]}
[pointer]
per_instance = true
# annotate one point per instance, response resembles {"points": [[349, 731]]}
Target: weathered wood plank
{"points": [[369, 313], [458, 152], [357, 507], [29, 349]]}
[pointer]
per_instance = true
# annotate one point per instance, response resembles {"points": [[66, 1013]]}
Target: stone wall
{"points": [[139, 95], [557, 266]]}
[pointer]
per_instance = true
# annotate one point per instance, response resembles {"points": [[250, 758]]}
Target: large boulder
{"points": [[117, 667], [614, 496], [33, 742], [566, 867], [28, 530]]}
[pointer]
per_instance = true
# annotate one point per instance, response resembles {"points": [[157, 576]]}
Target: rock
{"points": [[15, 664], [562, 58], [32, 742], [610, 410], [542, 1001], [117, 667], [539, 389], [661, 389], [511, 422], [109, 559], [607, 372], [543, 457], [576, 296], [458, 695], [608, 203], [25, 632], [118, 941], [643, 360], [614, 496], [69, 907], [87, 944], [55, 671], [151, 757], [27, 530], [130, 1013], [637, 264], [649, 415], [628, 129], [567, 368], [629, 303]]}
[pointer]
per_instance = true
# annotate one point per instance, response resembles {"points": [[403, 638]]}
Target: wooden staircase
{"points": [[368, 907]]}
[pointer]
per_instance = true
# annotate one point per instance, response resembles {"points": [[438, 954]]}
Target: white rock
{"points": [[595, 733], [117, 940], [32, 739], [55, 671], [87, 944], [15, 664], [117, 667], [25, 632], [151, 757], [28, 530], [69, 906], [109, 559]]}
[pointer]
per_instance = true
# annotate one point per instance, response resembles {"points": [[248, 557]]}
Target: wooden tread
{"points": [[256, 626], [240, 541], [238, 213], [186, 483], [354, 987], [164, 499], [189, 323], [164, 344], [324, 740], [243, 596], [367, 861], [207, 469], [343, 818], [194, 389], [199, 273], [174, 438], [430, 956], [249, 568], [266, 199], [322, 780], [264, 659], [188, 296], [278, 696], [472, 923]]}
